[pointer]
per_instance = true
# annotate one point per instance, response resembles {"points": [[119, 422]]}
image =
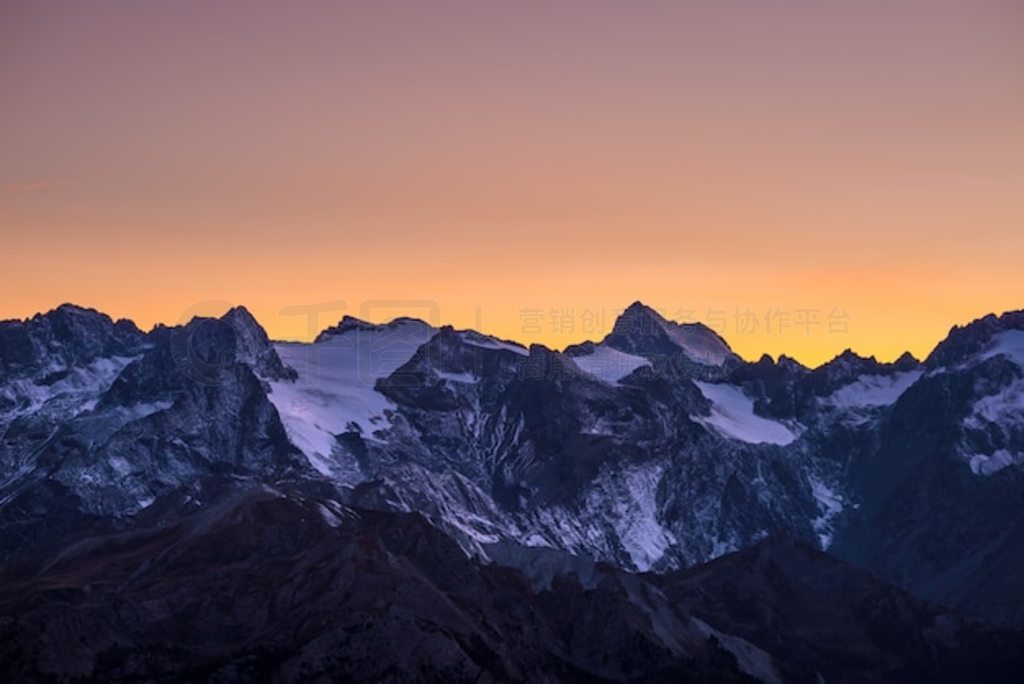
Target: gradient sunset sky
{"points": [[528, 167]]}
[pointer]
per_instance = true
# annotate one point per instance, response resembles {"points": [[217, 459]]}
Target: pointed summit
{"points": [[241, 316], [643, 331], [905, 362], [639, 319], [252, 346]]}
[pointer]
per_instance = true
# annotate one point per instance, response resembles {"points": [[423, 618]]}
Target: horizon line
{"points": [[439, 326]]}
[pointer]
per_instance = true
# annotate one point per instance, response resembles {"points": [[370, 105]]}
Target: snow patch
{"points": [[873, 390], [637, 525], [999, 416], [699, 343], [732, 416], [77, 391], [464, 377], [751, 659], [831, 505], [1009, 343], [610, 365], [329, 516], [335, 392], [987, 464]]}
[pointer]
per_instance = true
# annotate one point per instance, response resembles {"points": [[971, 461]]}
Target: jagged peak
{"points": [[789, 363], [640, 329], [246, 326], [70, 308], [349, 323], [906, 360], [346, 324], [236, 335], [849, 355], [241, 314], [639, 319], [65, 311], [74, 314], [965, 340], [849, 363], [65, 336]]}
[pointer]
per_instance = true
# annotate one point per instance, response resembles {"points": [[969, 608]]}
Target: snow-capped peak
{"points": [[643, 331]]}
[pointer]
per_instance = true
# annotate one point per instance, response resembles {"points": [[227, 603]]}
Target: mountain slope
{"points": [[654, 450], [228, 583], [838, 623]]}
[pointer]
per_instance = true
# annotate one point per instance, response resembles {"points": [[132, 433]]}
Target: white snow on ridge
{"points": [[487, 342], [1004, 408], [466, 378], [700, 344], [873, 390], [1010, 343], [636, 522], [732, 416], [335, 387], [610, 365], [621, 507], [77, 391], [987, 464], [1003, 413]]}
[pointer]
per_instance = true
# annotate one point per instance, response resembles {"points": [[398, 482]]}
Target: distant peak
{"points": [[789, 363], [68, 307], [239, 310], [849, 356], [965, 340], [407, 319], [241, 315], [641, 330], [349, 323], [346, 324], [73, 310], [906, 360], [639, 306], [639, 319]]}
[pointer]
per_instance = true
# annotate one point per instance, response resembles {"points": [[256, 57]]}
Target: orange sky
{"points": [[803, 157]]}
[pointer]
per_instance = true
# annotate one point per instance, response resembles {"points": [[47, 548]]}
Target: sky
{"points": [[804, 176]]}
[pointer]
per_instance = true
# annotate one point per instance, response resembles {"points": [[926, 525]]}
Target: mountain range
{"points": [[409, 502]]}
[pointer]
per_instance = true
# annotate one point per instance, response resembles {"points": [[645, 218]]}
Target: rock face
{"points": [[132, 427], [654, 450], [643, 331], [217, 581], [220, 583], [49, 344], [941, 498]]}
